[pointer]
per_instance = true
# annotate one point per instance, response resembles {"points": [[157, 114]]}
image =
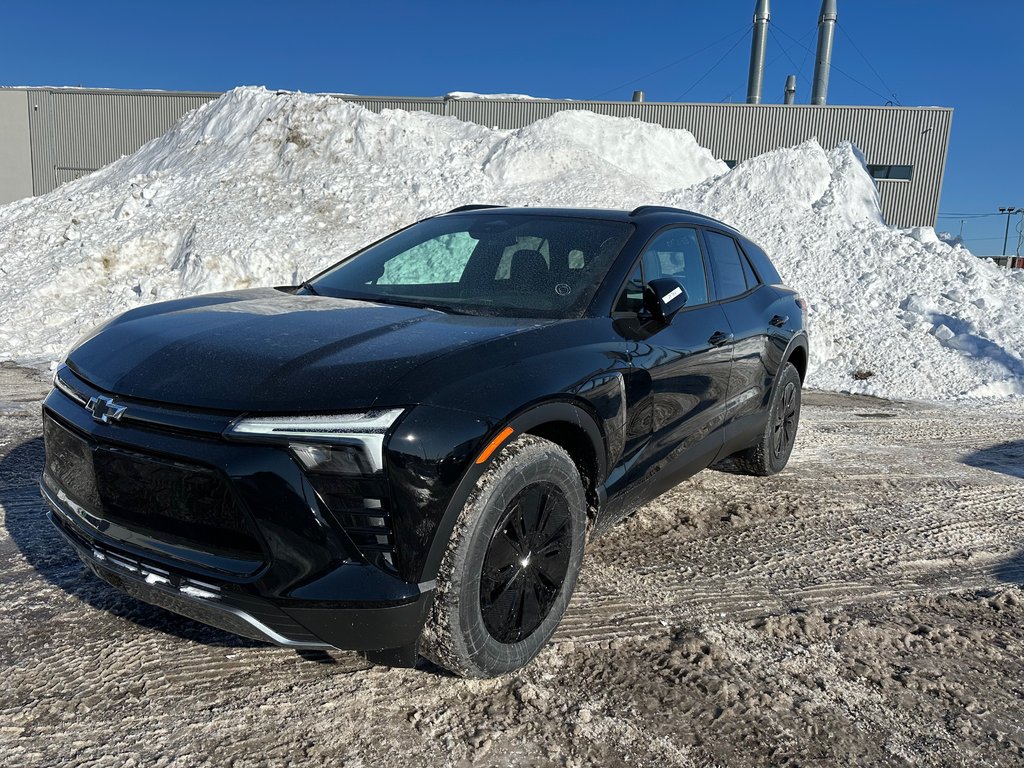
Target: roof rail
{"points": [[655, 209], [644, 209], [473, 208]]}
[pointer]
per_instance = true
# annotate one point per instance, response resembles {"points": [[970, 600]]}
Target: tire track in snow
{"points": [[856, 608]]}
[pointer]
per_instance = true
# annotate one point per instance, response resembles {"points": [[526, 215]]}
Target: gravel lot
{"points": [[864, 607]]}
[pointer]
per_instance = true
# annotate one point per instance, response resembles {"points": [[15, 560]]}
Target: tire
{"points": [[772, 451], [531, 498]]}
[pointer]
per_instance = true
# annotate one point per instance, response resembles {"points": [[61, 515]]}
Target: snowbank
{"points": [[468, 95], [264, 189]]}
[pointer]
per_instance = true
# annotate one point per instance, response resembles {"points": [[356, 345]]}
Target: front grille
{"points": [[361, 507], [180, 503]]}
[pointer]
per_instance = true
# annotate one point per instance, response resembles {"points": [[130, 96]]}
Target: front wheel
{"points": [[512, 562], [771, 454]]}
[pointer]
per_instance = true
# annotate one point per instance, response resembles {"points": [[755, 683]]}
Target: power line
{"points": [[870, 65], [966, 215], [797, 70], [807, 52], [766, 66], [711, 69], [674, 63], [837, 69], [775, 37]]}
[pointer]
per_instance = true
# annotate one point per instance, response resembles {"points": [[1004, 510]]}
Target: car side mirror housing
{"points": [[664, 297]]}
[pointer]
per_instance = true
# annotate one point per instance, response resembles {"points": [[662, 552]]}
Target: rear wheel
{"points": [[512, 562], [771, 454]]}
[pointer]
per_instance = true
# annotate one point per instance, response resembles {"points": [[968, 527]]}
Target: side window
{"points": [[732, 272], [674, 253]]}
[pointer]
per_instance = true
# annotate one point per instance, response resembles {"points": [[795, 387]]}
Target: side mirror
{"points": [[664, 297]]}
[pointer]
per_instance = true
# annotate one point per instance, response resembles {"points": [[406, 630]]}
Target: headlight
{"points": [[346, 443]]}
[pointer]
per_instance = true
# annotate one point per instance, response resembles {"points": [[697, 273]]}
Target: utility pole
{"points": [[1008, 212]]}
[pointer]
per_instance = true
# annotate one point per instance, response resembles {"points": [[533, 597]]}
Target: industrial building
{"points": [[49, 136]]}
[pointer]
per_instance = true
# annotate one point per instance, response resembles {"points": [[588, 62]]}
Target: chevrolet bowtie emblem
{"points": [[104, 409]]}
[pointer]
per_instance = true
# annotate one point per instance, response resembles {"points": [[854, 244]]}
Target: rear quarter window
{"points": [[765, 269], [727, 262]]}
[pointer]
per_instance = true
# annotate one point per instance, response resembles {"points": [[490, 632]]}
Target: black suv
{"points": [[406, 453]]}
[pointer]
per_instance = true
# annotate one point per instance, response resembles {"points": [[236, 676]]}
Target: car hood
{"points": [[271, 351]]}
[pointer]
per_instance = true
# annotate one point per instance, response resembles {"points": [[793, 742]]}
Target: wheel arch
{"points": [[572, 428], [566, 423], [798, 354]]}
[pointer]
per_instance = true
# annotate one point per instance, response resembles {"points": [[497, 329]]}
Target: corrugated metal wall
{"points": [[76, 131], [15, 147]]}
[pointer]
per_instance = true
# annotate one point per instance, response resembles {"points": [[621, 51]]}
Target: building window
{"points": [[892, 172], [731, 163]]}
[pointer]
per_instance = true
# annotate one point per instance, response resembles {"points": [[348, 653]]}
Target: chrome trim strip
{"points": [[259, 626], [165, 417], [66, 388], [62, 504]]}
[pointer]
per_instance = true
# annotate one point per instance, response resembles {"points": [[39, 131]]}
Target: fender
{"points": [[798, 340], [575, 412]]}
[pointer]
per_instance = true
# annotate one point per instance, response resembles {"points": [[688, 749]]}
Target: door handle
{"points": [[718, 338], [779, 321]]}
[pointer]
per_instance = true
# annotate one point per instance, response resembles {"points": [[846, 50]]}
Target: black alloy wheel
{"points": [[511, 564], [526, 563], [771, 453], [784, 422]]}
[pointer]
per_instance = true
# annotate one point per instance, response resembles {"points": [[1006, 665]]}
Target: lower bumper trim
{"points": [[193, 599]]}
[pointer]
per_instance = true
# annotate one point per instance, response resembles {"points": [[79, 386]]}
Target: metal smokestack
{"points": [[757, 51], [823, 61], [790, 90]]}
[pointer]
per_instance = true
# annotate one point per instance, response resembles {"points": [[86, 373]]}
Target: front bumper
{"points": [[289, 624], [299, 581]]}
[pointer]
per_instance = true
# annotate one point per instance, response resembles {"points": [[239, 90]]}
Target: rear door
{"points": [[687, 362], [747, 303]]}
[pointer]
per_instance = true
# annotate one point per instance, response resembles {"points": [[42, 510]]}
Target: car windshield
{"points": [[516, 265]]}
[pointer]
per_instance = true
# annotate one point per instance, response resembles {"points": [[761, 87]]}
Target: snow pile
{"points": [[470, 95], [574, 144], [906, 313], [264, 189]]}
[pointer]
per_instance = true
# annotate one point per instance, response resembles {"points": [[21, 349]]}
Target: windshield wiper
{"points": [[446, 309], [377, 299]]}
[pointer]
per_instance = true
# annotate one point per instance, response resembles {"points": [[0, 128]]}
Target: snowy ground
{"points": [[864, 607]]}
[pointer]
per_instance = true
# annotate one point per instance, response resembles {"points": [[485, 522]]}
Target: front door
{"points": [[687, 362]]}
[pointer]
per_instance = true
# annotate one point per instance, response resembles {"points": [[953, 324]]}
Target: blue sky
{"points": [[945, 52]]}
